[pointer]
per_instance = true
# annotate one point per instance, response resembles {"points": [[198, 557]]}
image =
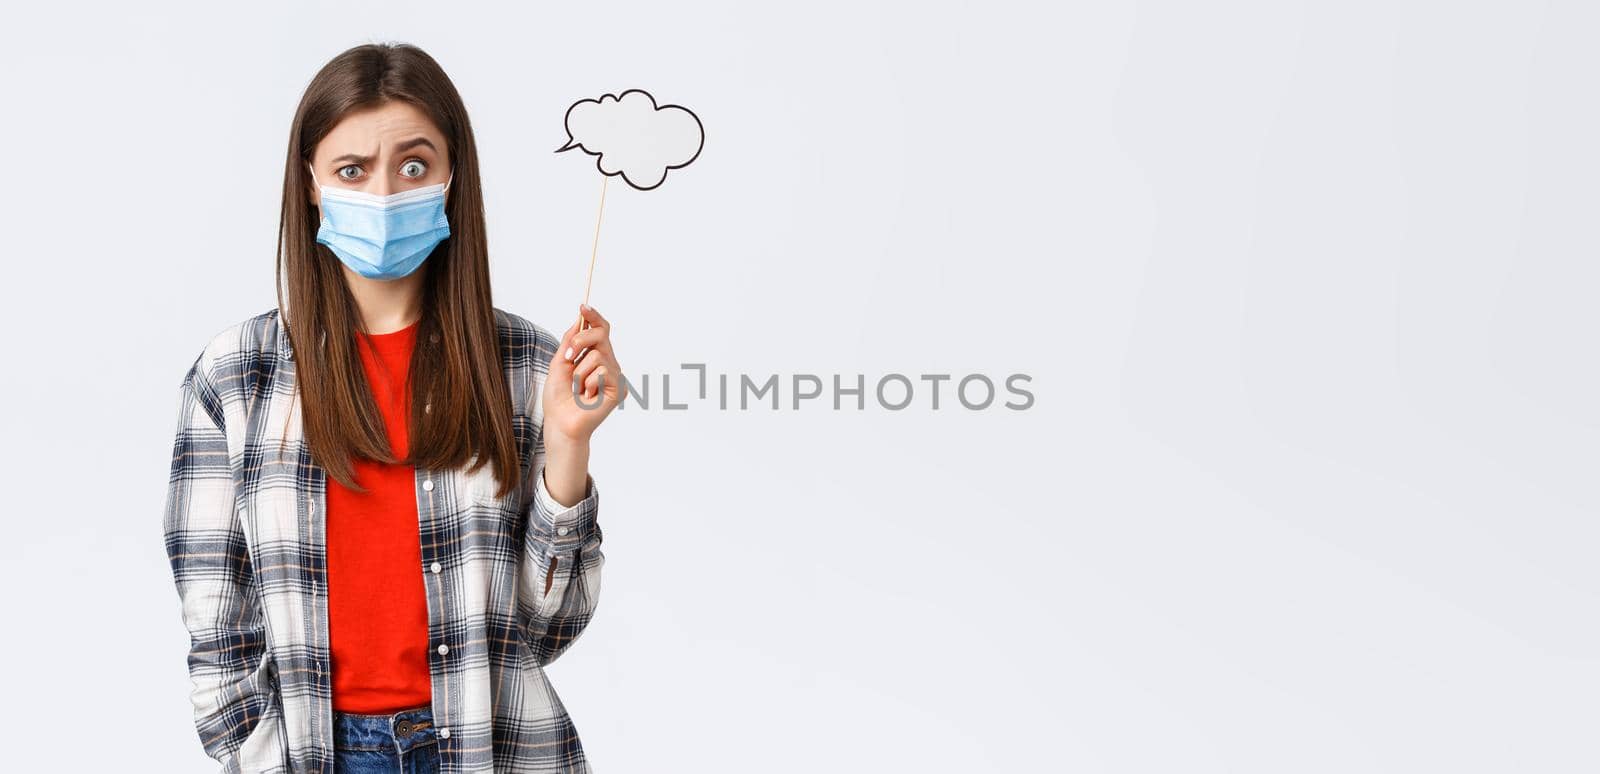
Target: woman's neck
{"points": [[386, 306]]}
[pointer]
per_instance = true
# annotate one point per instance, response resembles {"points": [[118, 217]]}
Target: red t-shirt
{"points": [[377, 603]]}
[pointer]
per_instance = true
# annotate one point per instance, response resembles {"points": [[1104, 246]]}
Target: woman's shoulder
{"points": [[240, 346], [523, 342], [259, 341]]}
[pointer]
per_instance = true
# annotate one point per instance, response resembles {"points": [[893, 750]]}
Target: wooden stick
{"points": [[593, 251]]}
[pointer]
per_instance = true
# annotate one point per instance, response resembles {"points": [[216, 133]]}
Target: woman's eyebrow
{"points": [[414, 142], [352, 158], [398, 148]]}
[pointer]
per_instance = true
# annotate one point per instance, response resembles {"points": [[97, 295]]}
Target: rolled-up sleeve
{"points": [[562, 562]]}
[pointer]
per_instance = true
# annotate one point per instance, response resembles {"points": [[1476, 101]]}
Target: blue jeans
{"points": [[403, 742]]}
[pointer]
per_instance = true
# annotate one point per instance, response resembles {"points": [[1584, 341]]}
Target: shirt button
{"points": [[436, 568], [563, 530], [443, 649], [444, 733], [427, 485]]}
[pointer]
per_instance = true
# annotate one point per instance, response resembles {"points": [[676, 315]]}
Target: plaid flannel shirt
{"points": [[244, 528]]}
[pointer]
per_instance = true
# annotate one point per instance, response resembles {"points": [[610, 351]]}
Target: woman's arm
{"points": [[562, 560], [236, 712], [561, 565], [566, 471]]}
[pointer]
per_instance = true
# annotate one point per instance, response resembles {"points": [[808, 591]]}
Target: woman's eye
{"points": [[350, 172], [413, 168]]}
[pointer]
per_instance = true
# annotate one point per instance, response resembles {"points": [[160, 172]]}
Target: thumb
{"points": [[560, 367]]}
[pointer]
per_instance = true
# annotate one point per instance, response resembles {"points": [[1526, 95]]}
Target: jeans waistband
{"points": [[389, 732]]}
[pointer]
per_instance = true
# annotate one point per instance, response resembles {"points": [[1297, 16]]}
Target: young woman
{"points": [[380, 518]]}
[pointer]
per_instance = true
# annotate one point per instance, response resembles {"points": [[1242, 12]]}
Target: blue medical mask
{"points": [[383, 237]]}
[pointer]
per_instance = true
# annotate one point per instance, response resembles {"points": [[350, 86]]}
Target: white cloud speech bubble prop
{"points": [[634, 137]]}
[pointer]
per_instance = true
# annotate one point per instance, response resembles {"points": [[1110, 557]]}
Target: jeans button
{"points": [[403, 728]]}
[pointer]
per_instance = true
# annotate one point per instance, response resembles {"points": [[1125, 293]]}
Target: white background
{"points": [[1305, 289]]}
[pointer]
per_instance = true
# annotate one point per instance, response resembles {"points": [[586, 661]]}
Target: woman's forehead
{"points": [[376, 130]]}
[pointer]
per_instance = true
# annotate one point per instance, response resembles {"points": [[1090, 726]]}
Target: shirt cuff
{"points": [[564, 528]]}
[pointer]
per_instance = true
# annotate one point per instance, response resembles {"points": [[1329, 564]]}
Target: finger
{"points": [[559, 364], [584, 342], [591, 385], [614, 377], [566, 338], [594, 338], [592, 316], [568, 345], [586, 365], [593, 362]]}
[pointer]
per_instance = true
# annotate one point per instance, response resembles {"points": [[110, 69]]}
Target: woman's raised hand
{"points": [[571, 415]]}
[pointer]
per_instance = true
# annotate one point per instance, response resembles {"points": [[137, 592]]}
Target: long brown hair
{"points": [[460, 405]]}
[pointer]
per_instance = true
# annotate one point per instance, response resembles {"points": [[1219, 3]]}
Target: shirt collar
{"points": [[285, 351]]}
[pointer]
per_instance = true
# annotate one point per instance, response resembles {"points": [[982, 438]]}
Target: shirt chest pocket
{"points": [[478, 507]]}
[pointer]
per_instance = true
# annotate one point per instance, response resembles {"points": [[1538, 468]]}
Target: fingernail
{"points": [[584, 307], [569, 353]]}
